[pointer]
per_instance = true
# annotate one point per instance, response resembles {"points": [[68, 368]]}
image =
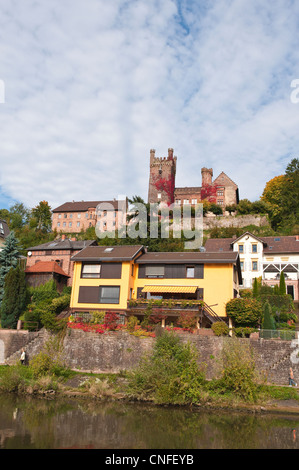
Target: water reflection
{"points": [[64, 424]]}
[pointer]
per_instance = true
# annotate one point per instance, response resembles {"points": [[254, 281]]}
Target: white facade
{"points": [[250, 250]]}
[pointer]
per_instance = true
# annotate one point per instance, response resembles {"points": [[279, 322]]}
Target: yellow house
{"points": [[124, 278]]}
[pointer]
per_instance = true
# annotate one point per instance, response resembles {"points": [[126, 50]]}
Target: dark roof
{"points": [[109, 253], [82, 206], [276, 244], [189, 257], [45, 267], [66, 244]]}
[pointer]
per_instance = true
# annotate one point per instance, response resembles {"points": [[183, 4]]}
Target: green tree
{"points": [[244, 311], [42, 214], [282, 284], [15, 297], [268, 320], [9, 257]]}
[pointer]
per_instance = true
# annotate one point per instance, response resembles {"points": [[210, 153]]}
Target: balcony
{"points": [[166, 305]]}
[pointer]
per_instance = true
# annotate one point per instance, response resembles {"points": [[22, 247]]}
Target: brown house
{"points": [[58, 251], [72, 217]]}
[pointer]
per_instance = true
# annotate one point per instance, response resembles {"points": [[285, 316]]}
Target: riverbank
{"points": [[112, 387]]}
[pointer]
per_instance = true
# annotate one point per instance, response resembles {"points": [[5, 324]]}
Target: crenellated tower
{"points": [[162, 178]]}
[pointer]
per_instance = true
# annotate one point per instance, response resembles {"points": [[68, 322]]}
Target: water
{"points": [[71, 424]]}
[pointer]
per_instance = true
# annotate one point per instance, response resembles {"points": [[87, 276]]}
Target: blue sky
{"points": [[91, 86]]}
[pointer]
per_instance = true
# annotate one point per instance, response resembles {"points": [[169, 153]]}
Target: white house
{"points": [[264, 257]]}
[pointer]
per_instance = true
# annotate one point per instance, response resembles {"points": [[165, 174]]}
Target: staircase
{"points": [[31, 348], [209, 314]]}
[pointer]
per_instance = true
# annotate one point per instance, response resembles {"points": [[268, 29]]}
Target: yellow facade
{"points": [[219, 284]]}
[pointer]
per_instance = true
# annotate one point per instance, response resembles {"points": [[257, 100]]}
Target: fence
{"points": [[286, 335]]}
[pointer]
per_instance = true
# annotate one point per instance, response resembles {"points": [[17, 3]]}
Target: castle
{"points": [[222, 191]]}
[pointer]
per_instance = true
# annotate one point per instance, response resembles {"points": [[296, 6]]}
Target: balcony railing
{"points": [[165, 304]]}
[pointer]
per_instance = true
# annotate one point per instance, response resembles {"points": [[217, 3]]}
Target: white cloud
{"points": [[91, 86]]}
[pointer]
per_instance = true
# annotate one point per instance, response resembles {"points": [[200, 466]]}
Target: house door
{"points": [[290, 291]]}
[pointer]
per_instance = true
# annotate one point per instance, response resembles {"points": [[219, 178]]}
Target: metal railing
{"points": [[286, 335]]}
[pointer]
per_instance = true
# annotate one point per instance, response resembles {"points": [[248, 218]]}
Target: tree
{"points": [[15, 297], [42, 214], [268, 320], [244, 311], [255, 289], [282, 284], [9, 256]]}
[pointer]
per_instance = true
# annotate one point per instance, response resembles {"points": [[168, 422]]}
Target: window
{"points": [[186, 201], [59, 216], [79, 216], [65, 216], [70, 224], [254, 265], [154, 271], [71, 216], [190, 271], [58, 224], [241, 248], [178, 201], [64, 224], [159, 195], [78, 224], [242, 265], [109, 294], [254, 248], [194, 201], [91, 271]]}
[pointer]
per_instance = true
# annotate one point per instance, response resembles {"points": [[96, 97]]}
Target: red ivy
{"points": [[209, 192], [166, 185]]}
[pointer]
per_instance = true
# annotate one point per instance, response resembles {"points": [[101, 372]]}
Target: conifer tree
{"points": [[282, 284], [268, 320], [8, 259], [15, 297], [255, 288]]}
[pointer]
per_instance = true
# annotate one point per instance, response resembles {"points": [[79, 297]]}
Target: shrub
{"points": [[220, 328], [111, 321], [238, 373], [187, 320], [97, 318], [169, 375], [132, 322], [244, 311]]}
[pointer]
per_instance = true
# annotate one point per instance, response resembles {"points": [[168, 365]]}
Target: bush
{"points": [[238, 373], [187, 320], [132, 322], [244, 311], [170, 375], [220, 328]]}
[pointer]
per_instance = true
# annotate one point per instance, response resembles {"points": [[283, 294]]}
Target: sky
{"points": [[88, 87]]}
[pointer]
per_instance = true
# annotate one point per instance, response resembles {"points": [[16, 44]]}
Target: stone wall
{"points": [[240, 221], [121, 351]]}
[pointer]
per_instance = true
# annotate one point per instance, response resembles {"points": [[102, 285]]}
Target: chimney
{"points": [[63, 237], [297, 238]]}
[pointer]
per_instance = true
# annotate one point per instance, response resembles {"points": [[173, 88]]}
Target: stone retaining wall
{"points": [[113, 352]]}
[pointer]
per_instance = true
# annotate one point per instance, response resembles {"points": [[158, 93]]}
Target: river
{"points": [[34, 423]]}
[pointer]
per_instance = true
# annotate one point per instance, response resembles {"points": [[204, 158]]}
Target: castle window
{"points": [[186, 201], [159, 195], [78, 224], [59, 216], [194, 201], [79, 216], [178, 201], [58, 224]]}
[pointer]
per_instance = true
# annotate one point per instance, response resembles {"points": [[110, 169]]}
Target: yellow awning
{"points": [[170, 289]]}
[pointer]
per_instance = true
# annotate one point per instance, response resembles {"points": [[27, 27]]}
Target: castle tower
{"points": [[162, 178], [206, 176]]}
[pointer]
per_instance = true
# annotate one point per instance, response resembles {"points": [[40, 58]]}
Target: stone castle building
{"points": [[221, 191]]}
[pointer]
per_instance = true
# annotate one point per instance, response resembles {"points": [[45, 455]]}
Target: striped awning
{"points": [[170, 289]]}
